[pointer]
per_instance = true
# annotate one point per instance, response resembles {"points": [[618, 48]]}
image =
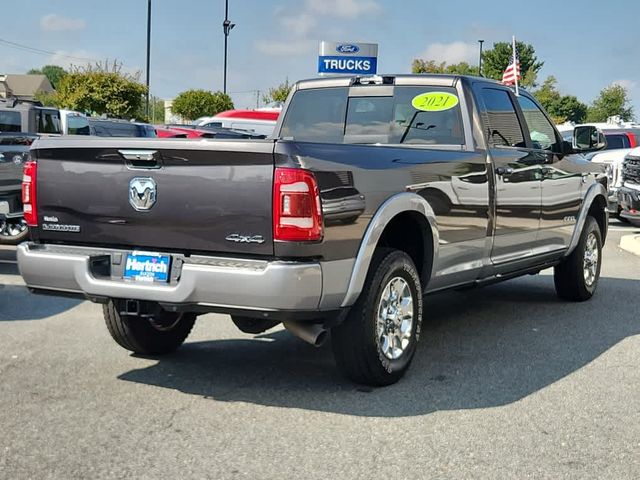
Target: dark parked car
{"points": [[373, 192], [28, 116], [215, 132], [14, 151], [110, 127]]}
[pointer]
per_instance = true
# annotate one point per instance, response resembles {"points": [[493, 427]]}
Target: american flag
{"points": [[512, 72]]}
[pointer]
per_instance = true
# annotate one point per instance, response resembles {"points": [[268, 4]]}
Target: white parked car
{"points": [[621, 138]]}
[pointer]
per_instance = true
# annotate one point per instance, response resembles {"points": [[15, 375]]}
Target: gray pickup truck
{"points": [[373, 192]]}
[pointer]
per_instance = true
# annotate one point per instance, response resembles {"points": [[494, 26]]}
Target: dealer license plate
{"points": [[4, 207], [147, 267]]}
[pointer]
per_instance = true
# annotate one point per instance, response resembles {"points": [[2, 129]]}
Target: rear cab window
{"points": [[10, 121], [416, 115]]}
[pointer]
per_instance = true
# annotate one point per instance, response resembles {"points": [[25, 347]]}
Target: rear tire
{"points": [[160, 334], [576, 278], [377, 341]]}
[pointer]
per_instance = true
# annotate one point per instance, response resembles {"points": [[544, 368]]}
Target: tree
{"points": [[431, 66], [571, 109], [54, 73], [156, 111], [279, 93], [611, 101], [100, 89], [192, 104], [496, 60], [560, 107]]}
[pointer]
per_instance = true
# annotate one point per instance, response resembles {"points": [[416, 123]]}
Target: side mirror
{"points": [[587, 138]]}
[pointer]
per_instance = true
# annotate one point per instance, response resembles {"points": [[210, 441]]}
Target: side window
{"points": [[542, 133], [77, 125], [48, 121], [10, 121], [503, 127], [616, 141]]}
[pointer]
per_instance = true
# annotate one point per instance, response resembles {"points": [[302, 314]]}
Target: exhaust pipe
{"points": [[311, 333]]}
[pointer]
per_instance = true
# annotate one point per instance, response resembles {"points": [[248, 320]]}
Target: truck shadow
{"points": [[17, 303], [481, 348]]}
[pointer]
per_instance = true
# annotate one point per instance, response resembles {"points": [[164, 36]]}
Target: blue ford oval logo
{"points": [[347, 48]]}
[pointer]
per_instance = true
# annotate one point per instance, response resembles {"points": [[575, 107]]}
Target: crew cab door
{"points": [[517, 176], [561, 178]]}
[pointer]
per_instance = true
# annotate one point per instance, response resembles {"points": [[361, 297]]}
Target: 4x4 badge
{"points": [[236, 237]]}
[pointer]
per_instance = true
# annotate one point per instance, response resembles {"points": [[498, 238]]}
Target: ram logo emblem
{"points": [[142, 193]]}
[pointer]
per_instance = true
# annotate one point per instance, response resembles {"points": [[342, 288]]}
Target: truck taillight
{"points": [[297, 211], [29, 196]]}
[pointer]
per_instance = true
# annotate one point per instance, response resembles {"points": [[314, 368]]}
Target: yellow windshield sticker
{"points": [[434, 101]]}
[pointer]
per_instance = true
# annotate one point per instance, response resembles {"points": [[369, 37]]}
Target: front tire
{"points": [[377, 341], [576, 278], [156, 335]]}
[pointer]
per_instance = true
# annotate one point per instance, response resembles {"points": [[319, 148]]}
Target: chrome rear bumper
{"points": [[243, 284]]}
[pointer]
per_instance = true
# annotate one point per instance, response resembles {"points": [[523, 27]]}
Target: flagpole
{"points": [[515, 65]]}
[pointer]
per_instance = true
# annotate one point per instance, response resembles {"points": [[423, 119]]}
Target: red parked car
{"points": [[166, 132]]}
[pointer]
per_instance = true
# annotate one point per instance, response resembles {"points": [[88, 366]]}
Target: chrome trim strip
{"points": [[594, 190], [402, 202]]}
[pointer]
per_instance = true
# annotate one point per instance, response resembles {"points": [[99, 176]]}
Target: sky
{"points": [[585, 44]]}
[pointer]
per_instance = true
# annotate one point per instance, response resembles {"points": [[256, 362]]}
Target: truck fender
{"points": [[595, 190], [402, 202]]}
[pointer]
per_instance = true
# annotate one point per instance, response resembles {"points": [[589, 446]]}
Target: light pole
{"points": [[480, 58], [227, 26], [148, 49]]}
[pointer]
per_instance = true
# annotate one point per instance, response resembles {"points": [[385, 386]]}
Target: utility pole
{"points": [[227, 26], [480, 58], [257, 98], [148, 49]]}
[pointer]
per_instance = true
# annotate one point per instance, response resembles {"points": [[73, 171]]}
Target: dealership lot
{"points": [[509, 382]]}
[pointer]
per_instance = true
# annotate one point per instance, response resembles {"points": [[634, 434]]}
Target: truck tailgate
{"points": [[146, 194]]}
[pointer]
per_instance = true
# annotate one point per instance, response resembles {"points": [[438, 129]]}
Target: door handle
{"points": [[142, 155], [504, 170]]}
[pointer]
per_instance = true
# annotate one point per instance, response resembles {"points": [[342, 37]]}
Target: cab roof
{"points": [[438, 79]]}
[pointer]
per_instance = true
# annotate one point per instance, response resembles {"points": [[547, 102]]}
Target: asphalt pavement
{"points": [[508, 382]]}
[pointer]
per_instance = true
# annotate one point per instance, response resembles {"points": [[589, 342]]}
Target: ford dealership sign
{"points": [[348, 58]]}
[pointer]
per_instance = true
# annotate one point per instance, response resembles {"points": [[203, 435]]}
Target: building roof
{"points": [[25, 85]]}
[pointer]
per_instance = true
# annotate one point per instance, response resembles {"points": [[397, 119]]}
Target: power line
{"points": [[40, 51]]}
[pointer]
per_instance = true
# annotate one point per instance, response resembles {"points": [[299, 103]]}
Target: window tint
{"points": [[542, 133], [106, 128], [368, 120], [10, 122], [77, 125], [48, 121], [316, 115], [328, 115], [617, 141], [501, 119]]}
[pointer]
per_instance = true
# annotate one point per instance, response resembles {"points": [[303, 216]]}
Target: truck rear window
{"points": [[10, 122], [329, 115]]}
